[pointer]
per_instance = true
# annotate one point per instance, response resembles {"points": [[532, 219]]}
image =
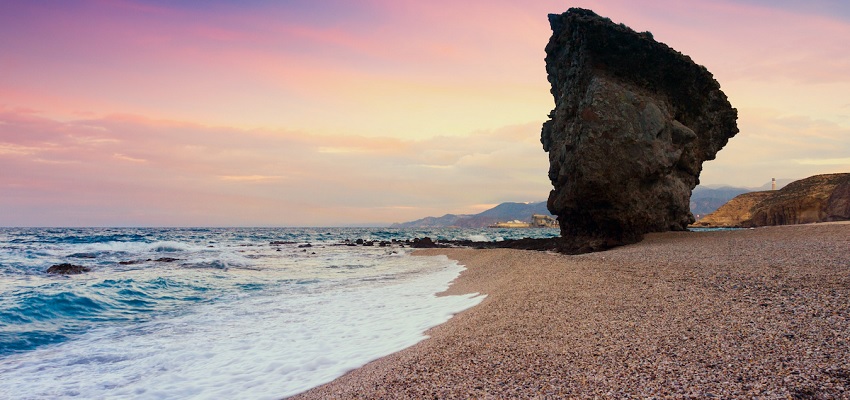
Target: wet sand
{"points": [[733, 314]]}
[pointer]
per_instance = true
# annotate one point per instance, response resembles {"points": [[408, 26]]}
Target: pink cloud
{"points": [[251, 69], [377, 111], [159, 171]]}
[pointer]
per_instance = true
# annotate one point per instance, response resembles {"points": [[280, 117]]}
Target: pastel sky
{"points": [[329, 113]]}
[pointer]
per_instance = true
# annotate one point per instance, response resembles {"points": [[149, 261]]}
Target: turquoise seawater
{"points": [[213, 313]]}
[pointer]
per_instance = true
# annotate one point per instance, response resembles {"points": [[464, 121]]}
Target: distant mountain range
{"points": [[704, 200], [502, 212]]}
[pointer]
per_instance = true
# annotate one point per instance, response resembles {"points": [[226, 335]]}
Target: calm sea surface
{"points": [[213, 313]]}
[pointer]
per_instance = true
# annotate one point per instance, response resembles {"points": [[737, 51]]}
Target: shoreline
{"points": [[757, 312]]}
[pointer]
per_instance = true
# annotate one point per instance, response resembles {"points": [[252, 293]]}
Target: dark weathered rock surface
{"points": [[633, 122], [67, 269], [424, 243]]}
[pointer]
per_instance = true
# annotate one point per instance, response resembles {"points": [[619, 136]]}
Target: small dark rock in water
{"points": [[301, 246], [368, 243], [424, 243], [131, 262], [278, 243], [359, 241], [166, 259], [67, 269]]}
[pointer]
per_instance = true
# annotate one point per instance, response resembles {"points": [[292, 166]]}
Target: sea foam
{"points": [[256, 344]]}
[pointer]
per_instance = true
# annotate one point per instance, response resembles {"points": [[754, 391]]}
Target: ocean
{"points": [[203, 313]]}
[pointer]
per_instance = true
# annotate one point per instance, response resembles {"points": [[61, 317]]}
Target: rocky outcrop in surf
{"points": [[819, 198], [67, 269], [633, 122]]}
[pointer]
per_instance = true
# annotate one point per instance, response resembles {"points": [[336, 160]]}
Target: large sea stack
{"points": [[633, 122]]}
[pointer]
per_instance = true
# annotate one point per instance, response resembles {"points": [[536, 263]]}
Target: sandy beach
{"points": [[734, 314]]}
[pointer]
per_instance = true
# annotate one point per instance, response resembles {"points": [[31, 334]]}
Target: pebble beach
{"points": [[757, 313]]}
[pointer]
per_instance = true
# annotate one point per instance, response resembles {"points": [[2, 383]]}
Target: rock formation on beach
{"points": [[633, 122], [819, 198]]}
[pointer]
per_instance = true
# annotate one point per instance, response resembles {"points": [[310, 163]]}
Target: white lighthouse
{"points": [[772, 183]]}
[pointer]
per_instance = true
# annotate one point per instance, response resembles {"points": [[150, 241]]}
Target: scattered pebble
{"points": [[761, 313]]}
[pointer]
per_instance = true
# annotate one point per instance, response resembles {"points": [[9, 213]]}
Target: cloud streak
{"points": [[772, 145], [149, 172], [844, 162]]}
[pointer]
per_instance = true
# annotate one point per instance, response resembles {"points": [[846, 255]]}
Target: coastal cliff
{"points": [[820, 198], [633, 122], [735, 212]]}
